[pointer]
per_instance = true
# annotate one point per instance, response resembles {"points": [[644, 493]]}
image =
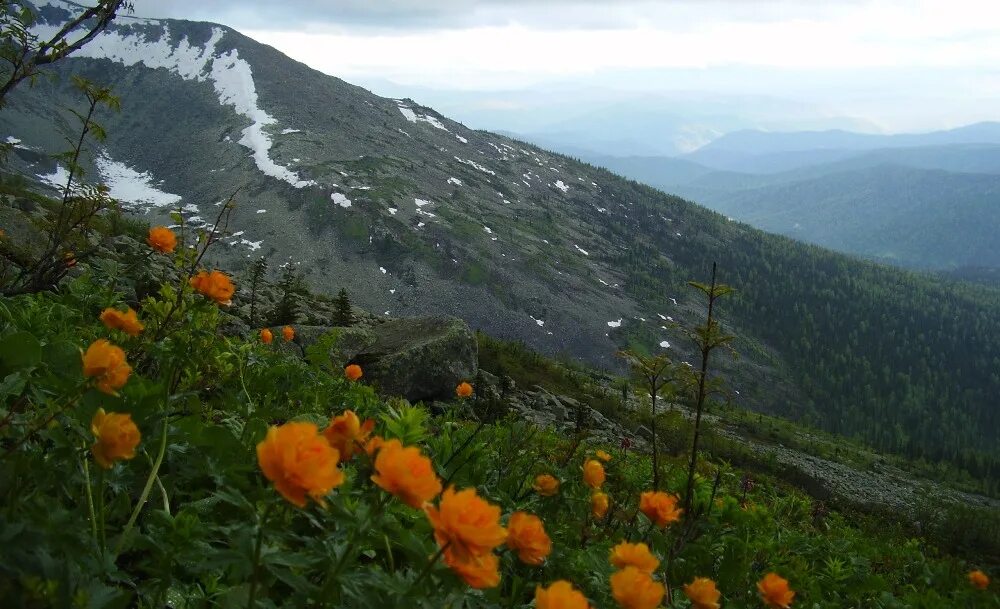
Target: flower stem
{"points": [[90, 498], [252, 596], [430, 565], [146, 490]]}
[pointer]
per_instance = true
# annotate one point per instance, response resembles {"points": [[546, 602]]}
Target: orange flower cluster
{"points": [[593, 474], [353, 372], [702, 593], [468, 528], [775, 592], [215, 285], [266, 336], [162, 239], [635, 555], [117, 436], [660, 508], [599, 504], [526, 535], [127, 321], [299, 462], [979, 579], [288, 333], [463, 390], [546, 485], [106, 363], [560, 595], [347, 434], [636, 589], [406, 473]]}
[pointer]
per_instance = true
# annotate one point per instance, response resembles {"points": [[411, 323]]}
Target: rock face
{"points": [[420, 358]]}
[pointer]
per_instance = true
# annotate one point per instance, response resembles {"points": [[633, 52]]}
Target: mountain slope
{"points": [[415, 213]]}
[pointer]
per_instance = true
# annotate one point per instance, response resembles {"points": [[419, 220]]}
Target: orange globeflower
{"points": [[478, 572], [465, 523], [266, 336], [106, 363], [599, 503], [288, 333], [660, 507], [560, 595], [603, 456], [127, 321], [347, 434], [635, 555], [162, 239], [979, 579], [215, 285], [593, 473], [406, 473], [353, 372], [635, 589], [372, 446], [117, 436], [703, 593], [299, 462], [774, 591], [546, 485], [526, 535], [463, 390]]}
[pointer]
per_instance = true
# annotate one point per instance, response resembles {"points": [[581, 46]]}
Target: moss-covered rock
{"points": [[420, 358]]}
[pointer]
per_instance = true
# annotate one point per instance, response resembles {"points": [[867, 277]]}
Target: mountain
{"points": [[416, 214], [930, 207], [763, 151]]}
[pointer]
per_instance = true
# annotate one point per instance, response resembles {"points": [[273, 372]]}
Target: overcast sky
{"points": [[900, 64]]}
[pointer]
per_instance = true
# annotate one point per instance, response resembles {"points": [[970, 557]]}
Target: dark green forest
{"points": [[844, 327]]}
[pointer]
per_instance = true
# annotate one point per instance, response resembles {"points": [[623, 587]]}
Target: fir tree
{"points": [[292, 288], [257, 272], [343, 314]]}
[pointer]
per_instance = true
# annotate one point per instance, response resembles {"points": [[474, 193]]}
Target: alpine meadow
{"points": [[272, 339]]}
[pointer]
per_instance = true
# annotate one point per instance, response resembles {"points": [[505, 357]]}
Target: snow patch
{"points": [[133, 187], [455, 181], [581, 250], [476, 166], [559, 184], [341, 200], [665, 344], [615, 324], [413, 117]]}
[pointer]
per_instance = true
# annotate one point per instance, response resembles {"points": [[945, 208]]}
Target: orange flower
{"points": [[593, 474], [106, 363], [288, 333], [560, 595], [406, 473], [465, 523], [602, 455], [127, 322], [599, 503], [347, 434], [463, 390], [979, 579], [635, 555], [479, 572], [546, 485], [353, 372], [372, 446], [526, 535], [162, 239], [774, 591], [635, 589], [266, 336], [703, 593], [117, 436], [299, 462], [215, 285], [660, 507]]}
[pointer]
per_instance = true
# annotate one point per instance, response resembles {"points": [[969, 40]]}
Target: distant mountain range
{"points": [[929, 201], [415, 213]]}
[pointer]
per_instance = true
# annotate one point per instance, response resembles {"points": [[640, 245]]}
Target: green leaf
{"points": [[19, 351]]}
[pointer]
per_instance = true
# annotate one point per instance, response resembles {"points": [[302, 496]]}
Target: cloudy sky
{"points": [[894, 65]]}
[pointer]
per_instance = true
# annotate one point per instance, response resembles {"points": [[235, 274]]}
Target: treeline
{"points": [[905, 362]]}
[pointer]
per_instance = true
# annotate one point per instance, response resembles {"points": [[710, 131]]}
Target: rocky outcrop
{"points": [[420, 358]]}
